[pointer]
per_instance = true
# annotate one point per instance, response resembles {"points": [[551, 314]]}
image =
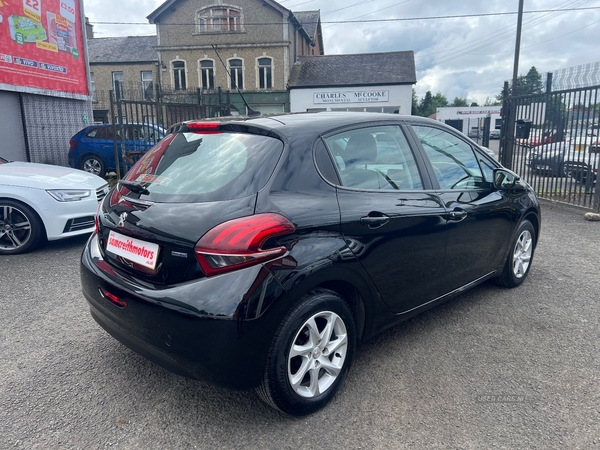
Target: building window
{"points": [[93, 87], [265, 73], [147, 88], [179, 81], [207, 74], [117, 84], [219, 19], [236, 71]]}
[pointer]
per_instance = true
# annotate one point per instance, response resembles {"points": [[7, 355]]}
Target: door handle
{"points": [[375, 221], [457, 214]]}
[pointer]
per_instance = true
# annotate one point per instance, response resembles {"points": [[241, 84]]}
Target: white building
{"points": [[469, 119], [372, 82]]}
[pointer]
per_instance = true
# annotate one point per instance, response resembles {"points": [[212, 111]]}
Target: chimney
{"points": [[89, 29]]}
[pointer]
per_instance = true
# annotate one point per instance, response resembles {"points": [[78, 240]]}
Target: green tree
{"points": [[532, 83], [459, 102], [415, 103], [474, 104], [490, 102], [430, 102], [529, 84]]}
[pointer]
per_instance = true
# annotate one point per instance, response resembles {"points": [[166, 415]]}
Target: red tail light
{"points": [[73, 144], [238, 243]]}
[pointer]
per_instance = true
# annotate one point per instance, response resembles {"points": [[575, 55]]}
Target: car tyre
{"points": [[520, 257], [93, 164], [20, 228], [311, 354]]}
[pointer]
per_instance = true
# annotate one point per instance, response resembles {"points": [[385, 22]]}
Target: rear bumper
{"points": [[207, 329]]}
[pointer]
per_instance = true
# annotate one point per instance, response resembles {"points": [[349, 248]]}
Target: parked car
{"points": [[255, 254], [547, 137], [581, 163], [474, 133], [92, 149], [495, 134], [548, 159], [41, 201]]}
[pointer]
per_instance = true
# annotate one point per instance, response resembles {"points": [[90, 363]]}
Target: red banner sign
{"points": [[41, 45]]}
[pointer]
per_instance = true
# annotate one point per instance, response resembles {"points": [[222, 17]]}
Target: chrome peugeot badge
{"points": [[122, 219]]}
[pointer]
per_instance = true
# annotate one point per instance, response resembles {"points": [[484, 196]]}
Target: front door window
{"points": [[453, 160]]}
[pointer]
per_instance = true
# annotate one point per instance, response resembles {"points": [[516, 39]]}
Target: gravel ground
{"points": [[491, 369]]}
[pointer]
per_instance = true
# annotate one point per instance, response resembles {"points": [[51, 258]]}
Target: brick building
{"points": [[246, 46], [127, 65]]}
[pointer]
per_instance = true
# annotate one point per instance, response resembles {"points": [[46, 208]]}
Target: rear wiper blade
{"points": [[134, 187]]}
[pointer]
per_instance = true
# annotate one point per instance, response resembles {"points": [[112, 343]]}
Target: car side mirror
{"points": [[505, 179]]}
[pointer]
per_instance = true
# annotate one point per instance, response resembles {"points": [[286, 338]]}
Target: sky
{"points": [[468, 57]]}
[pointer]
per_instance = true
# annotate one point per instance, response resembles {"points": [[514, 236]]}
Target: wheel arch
{"points": [[90, 153], [352, 284], [353, 299], [30, 206], [533, 217]]}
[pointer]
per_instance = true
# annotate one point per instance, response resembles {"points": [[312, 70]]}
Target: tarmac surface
{"points": [[492, 369]]}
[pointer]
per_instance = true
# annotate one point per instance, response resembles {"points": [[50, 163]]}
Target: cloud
{"points": [[467, 57]]}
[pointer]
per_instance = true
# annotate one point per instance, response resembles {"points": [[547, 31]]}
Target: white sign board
{"points": [[351, 97], [136, 250]]}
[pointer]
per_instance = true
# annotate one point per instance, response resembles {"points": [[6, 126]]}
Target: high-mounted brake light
{"points": [[238, 243], [203, 126]]}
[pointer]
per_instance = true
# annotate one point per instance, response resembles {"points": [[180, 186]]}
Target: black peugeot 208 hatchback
{"points": [[257, 253]]}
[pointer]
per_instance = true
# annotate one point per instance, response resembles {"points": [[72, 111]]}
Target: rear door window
{"points": [[107, 133], [190, 167], [93, 133], [375, 158]]}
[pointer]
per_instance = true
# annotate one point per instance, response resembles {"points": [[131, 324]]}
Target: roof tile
{"points": [[354, 70], [122, 49]]}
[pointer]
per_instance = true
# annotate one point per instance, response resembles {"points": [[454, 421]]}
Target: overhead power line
{"points": [[405, 19], [428, 58]]}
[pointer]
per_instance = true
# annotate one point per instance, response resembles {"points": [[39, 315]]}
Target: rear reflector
{"points": [[113, 298], [238, 243]]}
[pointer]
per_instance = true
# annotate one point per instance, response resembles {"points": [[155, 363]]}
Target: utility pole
{"points": [[517, 49], [507, 156]]}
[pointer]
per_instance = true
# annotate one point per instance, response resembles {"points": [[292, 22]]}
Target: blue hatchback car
{"points": [[92, 149]]}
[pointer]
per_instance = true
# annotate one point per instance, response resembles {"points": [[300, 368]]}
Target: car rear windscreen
{"points": [[191, 167]]}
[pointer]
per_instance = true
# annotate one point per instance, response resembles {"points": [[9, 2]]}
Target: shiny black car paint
{"points": [[219, 329]]}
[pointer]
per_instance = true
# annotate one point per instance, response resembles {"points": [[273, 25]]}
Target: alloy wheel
{"points": [[15, 228], [522, 254], [92, 166], [317, 354]]}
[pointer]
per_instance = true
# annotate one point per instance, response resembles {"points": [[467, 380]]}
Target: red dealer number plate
{"points": [[136, 250]]}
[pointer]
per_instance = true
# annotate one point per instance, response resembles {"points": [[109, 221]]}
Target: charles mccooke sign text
{"points": [[351, 97]]}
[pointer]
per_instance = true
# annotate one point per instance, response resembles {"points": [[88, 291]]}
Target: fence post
{"points": [[549, 83], [158, 106], [508, 125], [596, 201], [220, 102], [112, 96], [485, 139]]}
